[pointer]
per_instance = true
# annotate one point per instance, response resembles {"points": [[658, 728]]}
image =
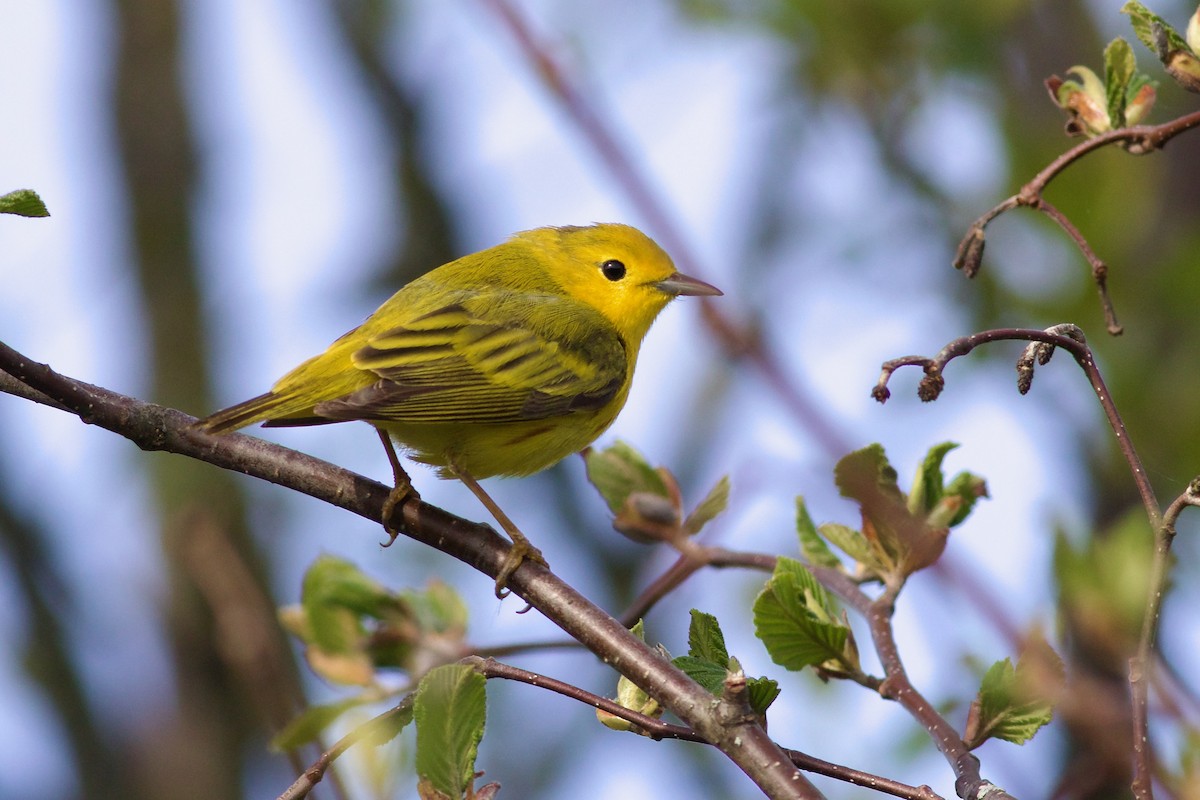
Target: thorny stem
{"points": [[153, 427]]}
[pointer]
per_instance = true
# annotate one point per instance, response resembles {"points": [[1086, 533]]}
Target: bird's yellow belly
{"points": [[513, 448]]}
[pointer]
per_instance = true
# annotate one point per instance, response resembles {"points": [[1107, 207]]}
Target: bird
{"points": [[502, 362]]}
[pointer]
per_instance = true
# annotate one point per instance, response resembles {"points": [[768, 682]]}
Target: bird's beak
{"points": [[679, 284]]}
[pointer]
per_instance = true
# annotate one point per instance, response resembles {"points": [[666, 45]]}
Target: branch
{"points": [[657, 729], [1140, 663], [1137, 139], [1066, 337], [154, 427], [301, 787], [1071, 339], [968, 783]]}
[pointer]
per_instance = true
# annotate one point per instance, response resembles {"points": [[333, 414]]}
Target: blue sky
{"points": [[293, 219]]}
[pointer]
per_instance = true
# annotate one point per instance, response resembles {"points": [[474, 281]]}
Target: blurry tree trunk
{"points": [[193, 750]]}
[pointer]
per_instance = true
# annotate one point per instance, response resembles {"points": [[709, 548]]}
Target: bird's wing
{"points": [[488, 358]]}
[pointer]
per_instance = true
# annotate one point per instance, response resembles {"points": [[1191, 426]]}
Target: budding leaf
{"points": [[1154, 31], [23, 203], [704, 672], [708, 663], [705, 639], [710, 506], [1014, 703], [1119, 68], [796, 619], [929, 484], [850, 542], [762, 693], [965, 489], [619, 471], [631, 696], [450, 711], [811, 543], [311, 723]]}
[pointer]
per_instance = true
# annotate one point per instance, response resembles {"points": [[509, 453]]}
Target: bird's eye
{"points": [[613, 270]]}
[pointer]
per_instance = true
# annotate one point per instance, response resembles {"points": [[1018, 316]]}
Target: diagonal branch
{"points": [[154, 427]]}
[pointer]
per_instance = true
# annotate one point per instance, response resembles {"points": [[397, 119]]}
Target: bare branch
{"points": [[1136, 139]]}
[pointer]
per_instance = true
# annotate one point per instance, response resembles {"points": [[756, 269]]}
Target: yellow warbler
{"points": [[502, 362]]}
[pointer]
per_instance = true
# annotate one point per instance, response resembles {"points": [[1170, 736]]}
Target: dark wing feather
{"points": [[488, 360]]}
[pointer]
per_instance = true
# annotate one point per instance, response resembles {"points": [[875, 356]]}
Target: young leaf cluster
{"points": [[1178, 54], [1124, 97], [900, 533], [646, 502]]}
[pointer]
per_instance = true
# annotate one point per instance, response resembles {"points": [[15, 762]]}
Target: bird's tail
{"points": [[256, 409]]}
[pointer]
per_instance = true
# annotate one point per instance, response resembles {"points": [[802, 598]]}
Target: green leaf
{"points": [[704, 672], [795, 617], [311, 723], [1013, 704], [1154, 31], [965, 489], [387, 726], [334, 595], [619, 471], [705, 639], [336, 582], [438, 608], [763, 692], [866, 473], [811, 544], [450, 710], [710, 506], [850, 542], [1120, 66], [929, 483], [23, 203]]}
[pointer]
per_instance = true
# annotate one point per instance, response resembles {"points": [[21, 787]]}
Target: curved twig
{"points": [[1136, 139]]}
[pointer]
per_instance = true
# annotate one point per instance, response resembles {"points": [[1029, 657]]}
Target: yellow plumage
{"points": [[502, 362]]}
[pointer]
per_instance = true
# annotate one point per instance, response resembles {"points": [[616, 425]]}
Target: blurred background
{"points": [[235, 184]]}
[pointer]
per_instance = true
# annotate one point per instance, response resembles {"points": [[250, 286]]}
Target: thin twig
{"points": [[933, 382], [692, 558], [301, 787], [1143, 775], [897, 686], [655, 728], [1137, 139]]}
